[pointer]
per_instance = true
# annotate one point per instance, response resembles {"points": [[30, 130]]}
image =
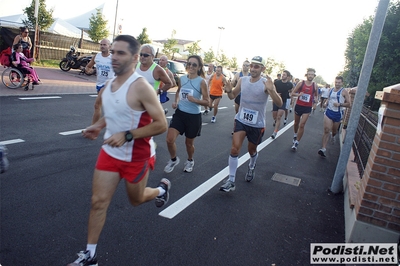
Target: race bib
{"points": [[248, 115], [305, 98], [104, 73], [184, 93]]}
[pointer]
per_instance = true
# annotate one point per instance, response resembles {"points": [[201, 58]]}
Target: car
{"points": [[177, 68], [228, 74]]}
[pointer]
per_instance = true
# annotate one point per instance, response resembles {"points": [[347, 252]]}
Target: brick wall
{"points": [[378, 200]]}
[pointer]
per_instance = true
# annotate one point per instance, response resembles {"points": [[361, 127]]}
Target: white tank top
{"points": [[120, 117], [103, 68], [253, 103], [335, 97], [148, 75]]}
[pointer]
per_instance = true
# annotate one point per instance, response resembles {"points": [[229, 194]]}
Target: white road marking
{"points": [[66, 133], [11, 141], [40, 98], [184, 202], [93, 95]]}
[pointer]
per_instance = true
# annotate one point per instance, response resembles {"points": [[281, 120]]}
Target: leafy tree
{"points": [[233, 63], [143, 37], [272, 66], [98, 27], [386, 69], [169, 49], [45, 17], [209, 56], [194, 49], [319, 80], [222, 59]]}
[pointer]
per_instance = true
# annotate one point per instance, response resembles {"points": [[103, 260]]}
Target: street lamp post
{"points": [[219, 40], [115, 20]]}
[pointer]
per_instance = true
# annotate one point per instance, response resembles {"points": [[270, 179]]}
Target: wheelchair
{"points": [[14, 78]]}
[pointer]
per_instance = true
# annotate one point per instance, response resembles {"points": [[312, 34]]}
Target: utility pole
{"points": [[362, 86], [115, 20], [35, 54], [219, 40]]}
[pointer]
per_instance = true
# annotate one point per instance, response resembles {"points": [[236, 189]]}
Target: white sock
{"points": [[161, 191], [295, 135], [253, 160], [233, 164], [92, 249]]}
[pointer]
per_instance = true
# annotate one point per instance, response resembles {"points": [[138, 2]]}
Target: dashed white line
{"points": [[66, 133], [11, 141], [181, 204], [40, 98]]}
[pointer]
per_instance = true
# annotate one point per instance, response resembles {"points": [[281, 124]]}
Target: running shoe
{"points": [[84, 259], [294, 139], [162, 200], [322, 153], [295, 144], [284, 122], [205, 112], [166, 111], [250, 174], [274, 123], [188, 166], [227, 186], [171, 165], [273, 135], [213, 119]]}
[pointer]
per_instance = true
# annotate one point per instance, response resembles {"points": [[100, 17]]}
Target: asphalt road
{"points": [[45, 195]]}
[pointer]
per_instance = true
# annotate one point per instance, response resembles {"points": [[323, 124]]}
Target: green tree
{"points": [[45, 17], [222, 59], [98, 26], [194, 49], [319, 80], [143, 37], [386, 69], [209, 56], [273, 66], [233, 64], [169, 46]]}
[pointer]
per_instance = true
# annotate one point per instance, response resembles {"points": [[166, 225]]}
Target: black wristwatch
{"points": [[128, 136]]}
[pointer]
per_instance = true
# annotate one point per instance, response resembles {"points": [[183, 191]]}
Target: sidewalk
{"points": [[54, 81]]}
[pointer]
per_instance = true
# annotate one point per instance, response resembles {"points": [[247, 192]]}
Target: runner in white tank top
{"points": [[250, 119]]}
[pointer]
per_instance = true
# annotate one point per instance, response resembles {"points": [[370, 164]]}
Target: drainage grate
{"points": [[290, 180]]}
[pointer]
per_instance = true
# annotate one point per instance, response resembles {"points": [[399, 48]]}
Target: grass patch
{"points": [[47, 63]]}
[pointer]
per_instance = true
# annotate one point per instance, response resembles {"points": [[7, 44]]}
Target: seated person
{"points": [[20, 61]]}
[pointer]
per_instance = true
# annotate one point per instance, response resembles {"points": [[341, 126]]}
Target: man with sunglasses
{"points": [[153, 72], [250, 119]]}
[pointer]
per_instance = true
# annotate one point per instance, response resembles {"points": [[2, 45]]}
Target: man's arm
{"points": [[89, 66], [171, 77], [97, 106], [346, 95], [271, 90], [233, 92], [161, 74], [235, 79]]}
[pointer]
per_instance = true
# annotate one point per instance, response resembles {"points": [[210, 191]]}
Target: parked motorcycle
{"points": [[72, 60]]}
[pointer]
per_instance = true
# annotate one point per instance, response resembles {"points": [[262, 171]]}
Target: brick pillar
{"points": [[352, 93], [378, 201]]}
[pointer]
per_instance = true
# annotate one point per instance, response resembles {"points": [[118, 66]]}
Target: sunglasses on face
{"points": [[189, 64], [255, 66], [144, 55], [246, 65], [26, 31]]}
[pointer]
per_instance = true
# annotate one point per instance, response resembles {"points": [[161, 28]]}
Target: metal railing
{"points": [[364, 138]]}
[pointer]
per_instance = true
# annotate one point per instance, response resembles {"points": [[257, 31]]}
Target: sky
{"points": [[298, 33]]}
